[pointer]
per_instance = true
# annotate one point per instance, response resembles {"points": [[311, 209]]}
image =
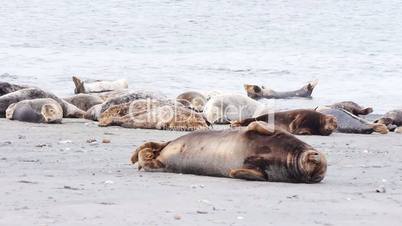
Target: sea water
{"points": [[354, 48]]}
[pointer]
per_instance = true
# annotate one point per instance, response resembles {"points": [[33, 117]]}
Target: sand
{"points": [[51, 175]]}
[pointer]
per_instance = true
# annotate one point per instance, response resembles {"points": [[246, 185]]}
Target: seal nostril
{"points": [[314, 157]]}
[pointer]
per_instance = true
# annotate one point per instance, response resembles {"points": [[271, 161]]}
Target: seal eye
{"points": [[257, 89]]}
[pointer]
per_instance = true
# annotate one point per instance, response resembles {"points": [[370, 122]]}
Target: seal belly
{"points": [[26, 113], [214, 156]]}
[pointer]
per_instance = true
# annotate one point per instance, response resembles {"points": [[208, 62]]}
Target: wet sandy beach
{"points": [[51, 175]]}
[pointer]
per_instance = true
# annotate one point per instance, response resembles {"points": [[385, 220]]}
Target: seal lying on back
{"points": [[256, 152], [192, 100], [84, 101], [69, 110], [152, 114], [43, 110], [6, 88], [299, 122], [98, 86], [351, 107], [257, 92], [231, 107], [349, 123]]}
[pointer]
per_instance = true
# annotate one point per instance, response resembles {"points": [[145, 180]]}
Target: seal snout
{"points": [[314, 166], [314, 157], [330, 125]]}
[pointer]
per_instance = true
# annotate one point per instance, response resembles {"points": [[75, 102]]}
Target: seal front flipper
{"points": [[247, 174], [146, 156], [261, 128], [147, 160]]}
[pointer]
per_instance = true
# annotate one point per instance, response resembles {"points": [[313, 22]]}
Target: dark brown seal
{"points": [[258, 92], [256, 152], [299, 122]]}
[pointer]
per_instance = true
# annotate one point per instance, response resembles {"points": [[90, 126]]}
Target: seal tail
{"points": [[79, 85]]}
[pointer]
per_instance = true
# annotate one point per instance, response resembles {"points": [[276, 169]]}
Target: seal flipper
{"points": [[311, 85], [247, 174], [147, 160], [146, 156], [244, 122], [10, 111], [366, 111], [261, 128], [79, 85], [380, 128]]}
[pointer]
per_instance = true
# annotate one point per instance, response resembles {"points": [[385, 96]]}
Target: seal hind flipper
{"points": [[247, 174], [366, 111], [311, 85], [79, 85]]}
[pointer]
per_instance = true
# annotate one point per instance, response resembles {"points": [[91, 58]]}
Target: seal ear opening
{"points": [[261, 128]]}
